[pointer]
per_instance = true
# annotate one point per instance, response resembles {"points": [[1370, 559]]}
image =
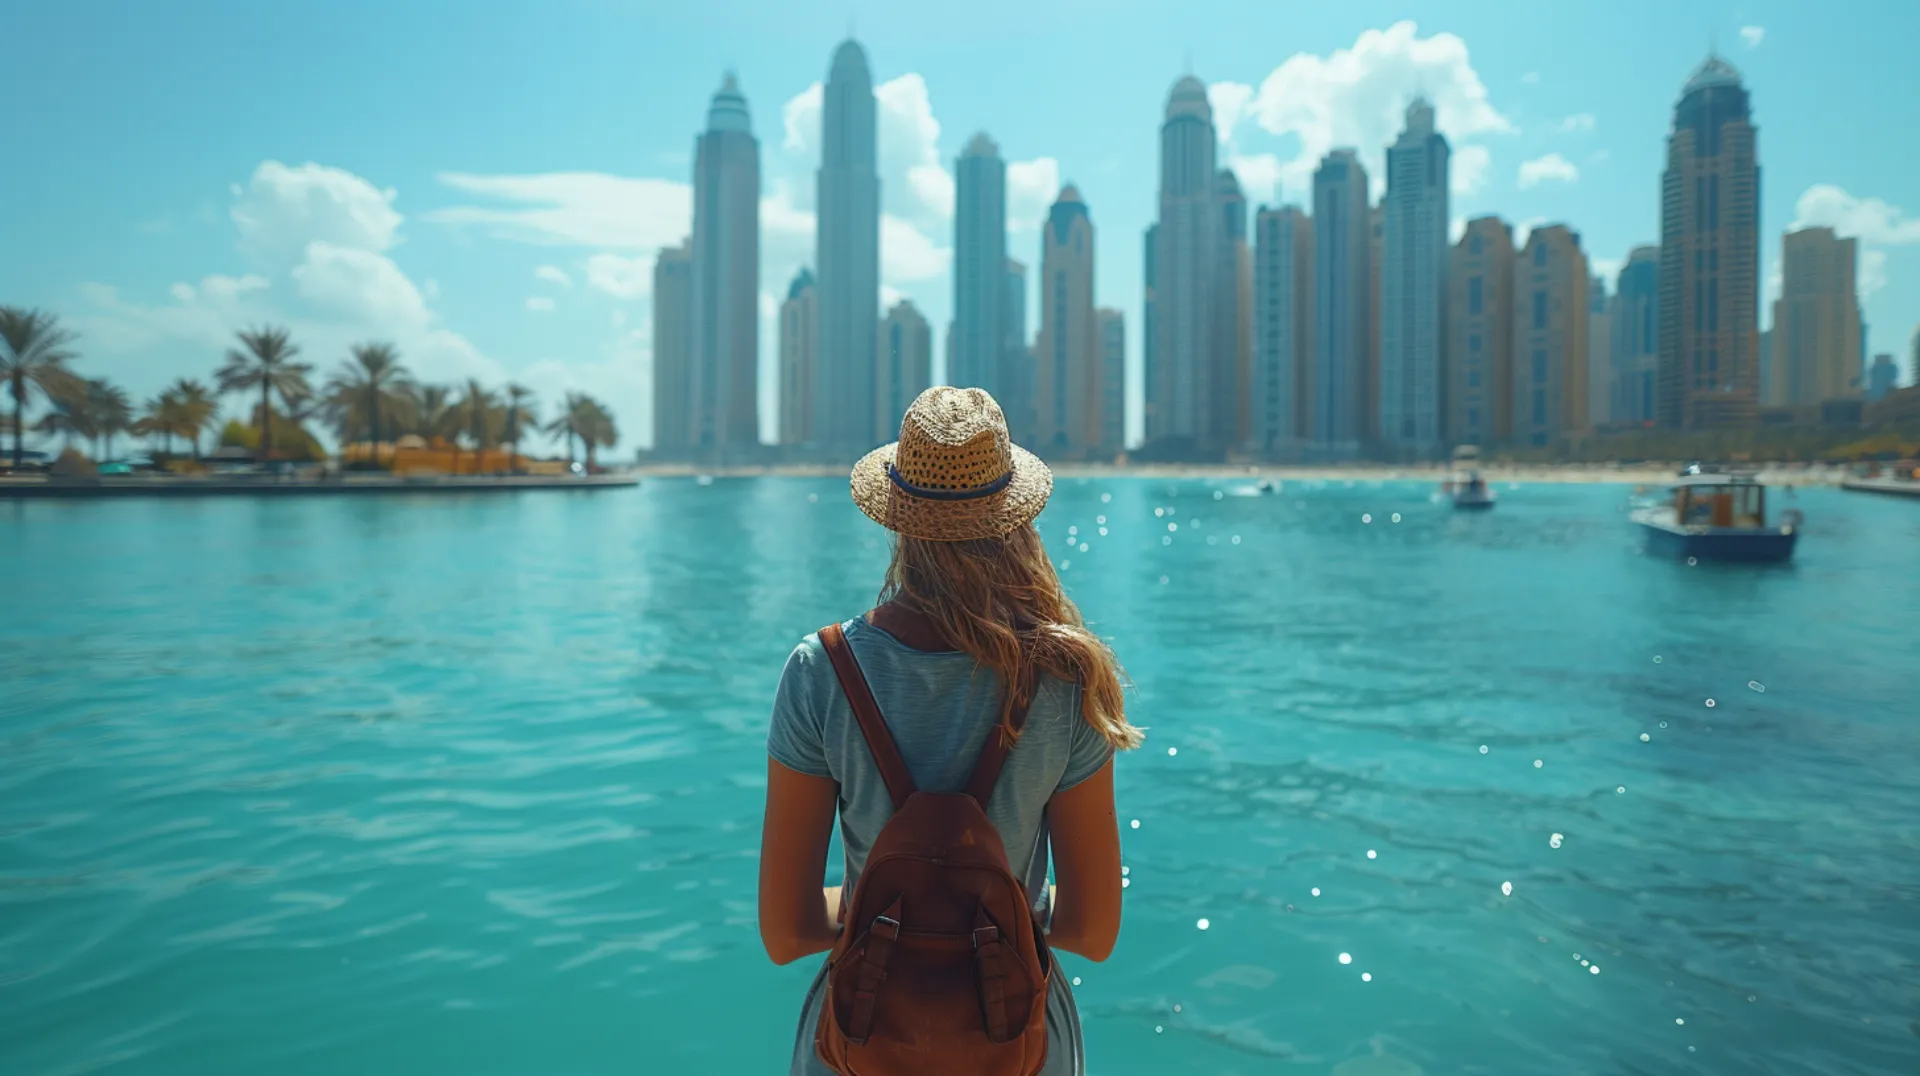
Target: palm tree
{"points": [[585, 418], [519, 411], [35, 356], [110, 411], [433, 413], [196, 410], [68, 414], [368, 395], [267, 364], [567, 423], [160, 418], [477, 410]]}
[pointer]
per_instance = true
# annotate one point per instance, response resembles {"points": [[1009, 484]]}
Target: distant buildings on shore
{"points": [[1341, 329]]}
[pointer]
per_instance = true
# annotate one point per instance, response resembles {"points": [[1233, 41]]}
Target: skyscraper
{"points": [[1710, 256], [1283, 333], [1370, 370], [906, 363], [1150, 373], [1881, 376], [1550, 338], [1230, 372], [1635, 326], [726, 278], [672, 350], [1480, 334], [798, 336], [1113, 382], [1068, 389], [1342, 278], [1913, 358], [1016, 376], [1816, 320], [1599, 349], [847, 258], [979, 268], [1413, 288], [1183, 267]]}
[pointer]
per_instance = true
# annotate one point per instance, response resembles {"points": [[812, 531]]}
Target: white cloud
{"points": [[1607, 269], [1753, 35], [1456, 228], [553, 274], [890, 295], [282, 209], [1358, 96], [908, 256], [540, 304], [909, 147], [319, 236], [1598, 156], [1031, 188], [1552, 167], [1579, 121], [1871, 275], [620, 276], [1469, 168], [1259, 176], [585, 209], [1870, 219], [800, 117], [1523, 230]]}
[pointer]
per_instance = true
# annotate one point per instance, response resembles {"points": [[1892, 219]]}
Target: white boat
{"points": [[1469, 491], [1715, 516]]}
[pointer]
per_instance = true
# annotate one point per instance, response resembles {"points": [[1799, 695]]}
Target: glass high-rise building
{"points": [[1635, 330], [724, 396], [1184, 263], [1068, 375], [798, 337], [906, 363], [1710, 256], [1283, 330], [1113, 382], [979, 268], [847, 259], [1342, 300], [1412, 387], [672, 351], [1230, 373]]}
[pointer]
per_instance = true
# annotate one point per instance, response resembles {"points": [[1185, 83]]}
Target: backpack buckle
{"points": [[986, 935], [886, 926]]}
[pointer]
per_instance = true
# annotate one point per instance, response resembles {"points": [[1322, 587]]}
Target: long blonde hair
{"points": [[999, 600]]}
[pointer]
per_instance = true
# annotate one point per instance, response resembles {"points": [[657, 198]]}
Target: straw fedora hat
{"points": [[954, 475]]}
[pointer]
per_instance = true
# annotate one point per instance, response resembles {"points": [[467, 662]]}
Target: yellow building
{"points": [[1816, 320], [1479, 320], [1550, 281]]}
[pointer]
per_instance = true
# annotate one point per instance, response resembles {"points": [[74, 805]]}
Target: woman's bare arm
{"points": [[1086, 865], [798, 917]]}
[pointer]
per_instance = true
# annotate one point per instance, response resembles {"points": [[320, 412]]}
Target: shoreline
{"points": [[114, 486], [1547, 474]]}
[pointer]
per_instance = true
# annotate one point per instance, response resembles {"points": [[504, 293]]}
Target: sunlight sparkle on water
{"points": [[1316, 891], [1483, 749], [1171, 751], [1106, 498], [1203, 924], [1135, 823], [1710, 704], [1554, 841], [1371, 854], [1366, 976], [1346, 958], [1506, 889], [1755, 685]]}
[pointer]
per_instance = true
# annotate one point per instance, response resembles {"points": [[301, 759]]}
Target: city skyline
{"points": [[494, 208]]}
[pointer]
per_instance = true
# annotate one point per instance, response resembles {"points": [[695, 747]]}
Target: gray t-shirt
{"points": [[940, 708]]}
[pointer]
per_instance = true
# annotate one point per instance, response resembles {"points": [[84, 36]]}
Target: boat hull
{"points": [[1473, 504], [1773, 546]]}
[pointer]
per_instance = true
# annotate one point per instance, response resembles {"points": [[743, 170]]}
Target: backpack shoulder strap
{"points": [[986, 772], [873, 727]]}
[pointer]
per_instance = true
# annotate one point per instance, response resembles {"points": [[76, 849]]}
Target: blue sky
{"points": [[485, 183]]}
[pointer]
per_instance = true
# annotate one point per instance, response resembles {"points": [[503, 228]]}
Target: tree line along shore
{"points": [[382, 417]]}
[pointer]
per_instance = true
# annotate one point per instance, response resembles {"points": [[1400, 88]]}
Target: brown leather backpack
{"points": [[940, 967]]}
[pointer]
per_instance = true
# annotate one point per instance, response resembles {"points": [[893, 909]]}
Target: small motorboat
{"points": [[1715, 515], [1469, 491]]}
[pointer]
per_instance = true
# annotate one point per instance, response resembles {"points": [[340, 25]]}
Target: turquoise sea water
{"points": [[473, 785]]}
